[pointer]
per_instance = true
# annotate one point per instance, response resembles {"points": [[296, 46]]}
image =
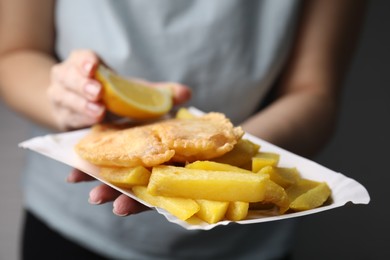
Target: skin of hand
{"points": [[300, 119], [122, 206], [75, 96]]}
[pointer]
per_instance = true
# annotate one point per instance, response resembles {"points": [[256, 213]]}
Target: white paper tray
{"points": [[60, 147]]}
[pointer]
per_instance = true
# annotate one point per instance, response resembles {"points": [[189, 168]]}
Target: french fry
{"points": [[126, 177], [308, 195], [174, 181], [211, 211], [284, 177], [276, 195], [262, 159], [241, 154], [215, 166], [237, 210], [299, 188], [180, 207]]}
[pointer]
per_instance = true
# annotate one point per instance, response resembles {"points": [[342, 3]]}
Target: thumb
{"points": [[181, 93]]}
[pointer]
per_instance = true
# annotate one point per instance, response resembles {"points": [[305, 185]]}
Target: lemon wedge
{"points": [[133, 99]]}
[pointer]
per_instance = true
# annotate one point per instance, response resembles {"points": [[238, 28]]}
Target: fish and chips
{"points": [[198, 168]]}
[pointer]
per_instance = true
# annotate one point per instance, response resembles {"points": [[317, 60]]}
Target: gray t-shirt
{"points": [[229, 52]]}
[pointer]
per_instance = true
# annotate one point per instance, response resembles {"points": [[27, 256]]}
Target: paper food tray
{"points": [[60, 147]]}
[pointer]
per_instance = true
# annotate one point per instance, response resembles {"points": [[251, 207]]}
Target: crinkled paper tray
{"points": [[344, 189]]}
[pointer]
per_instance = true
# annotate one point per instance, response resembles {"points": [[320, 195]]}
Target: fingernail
{"points": [[119, 214], [94, 108], [88, 67], [93, 202], [92, 89], [69, 179]]}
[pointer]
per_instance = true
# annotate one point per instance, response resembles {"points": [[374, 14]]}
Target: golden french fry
{"points": [[262, 159], [276, 195], [312, 198], [299, 188], [284, 177], [174, 181], [180, 207], [125, 177], [215, 166], [237, 210], [241, 154], [211, 211]]}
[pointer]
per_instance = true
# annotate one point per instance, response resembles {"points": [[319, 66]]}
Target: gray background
{"points": [[360, 149]]}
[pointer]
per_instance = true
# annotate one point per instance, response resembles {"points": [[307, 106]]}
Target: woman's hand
{"points": [[74, 94], [76, 99], [122, 206]]}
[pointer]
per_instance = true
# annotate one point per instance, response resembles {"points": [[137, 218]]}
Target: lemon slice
{"points": [[133, 99]]}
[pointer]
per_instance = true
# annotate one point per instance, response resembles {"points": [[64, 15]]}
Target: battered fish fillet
{"points": [[174, 140], [125, 148], [200, 138]]}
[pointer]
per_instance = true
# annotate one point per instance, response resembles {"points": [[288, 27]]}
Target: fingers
{"points": [[74, 94], [78, 176], [122, 206], [181, 93], [76, 97], [76, 74], [74, 102], [76, 80], [102, 194], [85, 60]]}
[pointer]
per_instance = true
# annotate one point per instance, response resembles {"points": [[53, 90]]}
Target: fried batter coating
{"points": [[126, 148], [200, 138], [174, 140]]}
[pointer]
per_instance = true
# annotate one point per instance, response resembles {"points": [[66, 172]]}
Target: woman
{"points": [[231, 54]]}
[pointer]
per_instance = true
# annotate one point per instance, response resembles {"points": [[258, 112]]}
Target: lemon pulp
{"points": [[133, 99]]}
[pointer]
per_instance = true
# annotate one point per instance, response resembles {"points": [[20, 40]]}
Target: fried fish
{"points": [[125, 148], [173, 140], [200, 138]]}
